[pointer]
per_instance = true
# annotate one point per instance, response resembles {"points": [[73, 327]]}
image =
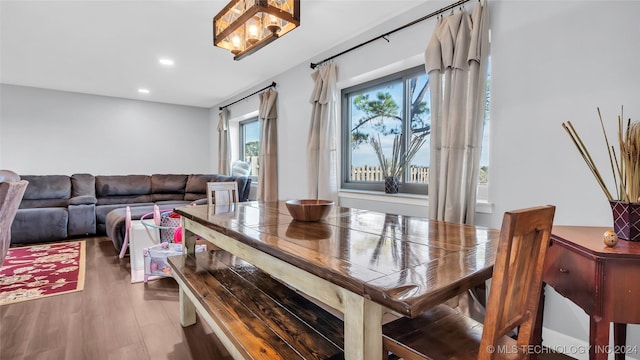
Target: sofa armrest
{"points": [[82, 219], [83, 200]]}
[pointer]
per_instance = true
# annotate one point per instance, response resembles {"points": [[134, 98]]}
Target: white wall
{"points": [[56, 132], [552, 61]]}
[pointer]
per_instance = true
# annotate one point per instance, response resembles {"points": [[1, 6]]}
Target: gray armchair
{"points": [[11, 192]]}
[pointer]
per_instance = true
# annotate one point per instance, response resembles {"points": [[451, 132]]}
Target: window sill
{"points": [[484, 207], [399, 198]]}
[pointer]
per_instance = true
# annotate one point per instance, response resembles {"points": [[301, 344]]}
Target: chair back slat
{"points": [[517, 276]]}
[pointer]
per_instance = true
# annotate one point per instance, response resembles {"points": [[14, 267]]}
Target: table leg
{"points": [[362, 328], [187, 309], [619, 339], [598, 338], [189, 240]]}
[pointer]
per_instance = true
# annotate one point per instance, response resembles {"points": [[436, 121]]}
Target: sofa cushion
{"points": [[240, 168], [168, 183], [83, 184], [47, 187], [46, 191], [122, 185], [167, 197], [124, 200], [39, 225], [196, 187]]}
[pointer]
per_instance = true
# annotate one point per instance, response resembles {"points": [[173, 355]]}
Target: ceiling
{"points": [[112, 48]]}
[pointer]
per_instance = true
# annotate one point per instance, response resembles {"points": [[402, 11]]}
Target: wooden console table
{"points": [[604, 282]]}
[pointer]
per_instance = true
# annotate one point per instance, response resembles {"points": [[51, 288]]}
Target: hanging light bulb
{"points": [[253, 34], [236, 45]]}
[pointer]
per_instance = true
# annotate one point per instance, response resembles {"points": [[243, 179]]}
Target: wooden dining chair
{"points": [[444, 333], [222, 193]]}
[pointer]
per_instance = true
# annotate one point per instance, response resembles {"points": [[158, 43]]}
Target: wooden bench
{"points": [[254, 315]]}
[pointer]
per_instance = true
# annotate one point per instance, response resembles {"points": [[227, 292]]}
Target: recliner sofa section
{"points": [[57, 207]]}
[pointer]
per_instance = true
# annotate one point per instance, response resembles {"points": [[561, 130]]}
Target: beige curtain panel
{"points": [[322, 162], [224, 141], [456, 61], [268, 158]]}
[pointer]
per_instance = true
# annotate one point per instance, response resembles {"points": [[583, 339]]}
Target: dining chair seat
{"points": [[444, 333], [441, 333]]}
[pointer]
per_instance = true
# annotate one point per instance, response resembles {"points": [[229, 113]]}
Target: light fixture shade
{"points": [[244, 26]]}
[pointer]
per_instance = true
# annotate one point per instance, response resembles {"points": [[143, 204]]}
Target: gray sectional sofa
{"points": [[56, 207]]}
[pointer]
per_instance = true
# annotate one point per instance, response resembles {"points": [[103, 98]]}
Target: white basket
{"points": [[155, 258]]}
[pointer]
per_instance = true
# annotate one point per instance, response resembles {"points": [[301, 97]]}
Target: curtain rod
{"points": [[273, 84], [384, 36]]}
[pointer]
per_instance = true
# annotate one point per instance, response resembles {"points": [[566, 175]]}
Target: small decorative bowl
{"points": [[309, 209]]}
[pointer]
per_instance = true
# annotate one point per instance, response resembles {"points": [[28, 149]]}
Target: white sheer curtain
{"points": [[322, 162], [456, 61], [224, 141], [268, 158]]}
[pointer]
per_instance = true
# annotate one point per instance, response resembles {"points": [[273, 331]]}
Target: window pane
{"points": [[384, 108], [418, 91], [250, 144], [375, 112], [483, 184]]}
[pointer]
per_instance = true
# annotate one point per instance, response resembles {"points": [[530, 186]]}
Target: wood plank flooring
{"points": [[110, 319]]}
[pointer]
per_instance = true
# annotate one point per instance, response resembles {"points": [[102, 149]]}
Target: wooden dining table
{"points": [[361, 263]]}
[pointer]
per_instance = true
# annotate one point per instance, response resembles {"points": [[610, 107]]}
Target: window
{"points": [[250, 144], [382, 109]]}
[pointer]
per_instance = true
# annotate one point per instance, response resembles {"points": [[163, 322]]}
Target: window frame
{"points": [[241, 144], [401, 76]]}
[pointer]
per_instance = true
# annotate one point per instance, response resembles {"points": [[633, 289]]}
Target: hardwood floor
{"points": [[110, 319]]}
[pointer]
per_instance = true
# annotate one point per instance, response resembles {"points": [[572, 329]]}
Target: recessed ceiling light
{"points": [[143, 91], [166, 61]]}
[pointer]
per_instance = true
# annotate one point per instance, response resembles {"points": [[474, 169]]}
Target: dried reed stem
{"points": [[625, 169], [399, 160], [582, 149], [606, 139], [630, 158]]}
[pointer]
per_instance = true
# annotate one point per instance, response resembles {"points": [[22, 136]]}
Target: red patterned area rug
{"points": [[34, 272]]}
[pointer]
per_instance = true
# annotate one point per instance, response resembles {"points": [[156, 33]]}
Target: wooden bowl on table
{"points": [[309, 209]]}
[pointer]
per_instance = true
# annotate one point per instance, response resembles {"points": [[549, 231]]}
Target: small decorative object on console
{"points": [[610, 238]]}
